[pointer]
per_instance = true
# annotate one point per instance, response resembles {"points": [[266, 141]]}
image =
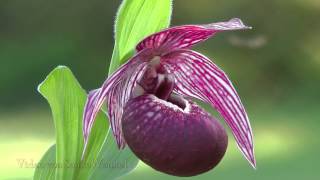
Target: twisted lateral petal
{"points": [[117, 99], [92, 97], [198, 77], [185, 36], [117, 88]]}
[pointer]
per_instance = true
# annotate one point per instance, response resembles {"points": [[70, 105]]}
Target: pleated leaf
{"points": [[67, 99], [46, 167]]}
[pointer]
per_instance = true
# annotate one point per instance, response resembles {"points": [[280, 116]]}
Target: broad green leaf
{"points": [[47, 165], [135, 20], [67, 98], [113, 162]]}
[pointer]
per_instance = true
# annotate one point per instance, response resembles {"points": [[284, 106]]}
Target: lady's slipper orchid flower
{"points": [[150, 108]]}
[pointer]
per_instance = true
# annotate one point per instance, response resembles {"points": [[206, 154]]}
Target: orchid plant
{"points": [[149, 101]]}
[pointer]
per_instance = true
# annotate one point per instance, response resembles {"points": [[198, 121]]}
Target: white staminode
{"points": [[155, 61], [173, 106]]}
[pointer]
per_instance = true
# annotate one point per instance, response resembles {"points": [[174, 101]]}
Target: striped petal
{"points": [[186, 36], [196, 76], [117, 99], [115, 91]]}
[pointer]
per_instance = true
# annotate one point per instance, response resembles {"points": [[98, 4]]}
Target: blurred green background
{"points": [[275, 68]]}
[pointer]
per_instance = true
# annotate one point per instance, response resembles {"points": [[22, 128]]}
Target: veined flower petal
{"points": [[117, 99], [92, 97], [186, 36], [198, 77], [116, 90]]}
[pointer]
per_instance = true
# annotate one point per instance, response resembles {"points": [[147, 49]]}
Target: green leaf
{"points": [[135, 20], [47, 165], [67, 99], [113, 162]]}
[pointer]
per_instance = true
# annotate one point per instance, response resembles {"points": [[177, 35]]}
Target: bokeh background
{"points": [[275, 68]]}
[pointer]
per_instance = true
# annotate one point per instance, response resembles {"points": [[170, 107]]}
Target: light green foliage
{"points": [[135, 20], [116, 162], [66, 99], [46, 167]]}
